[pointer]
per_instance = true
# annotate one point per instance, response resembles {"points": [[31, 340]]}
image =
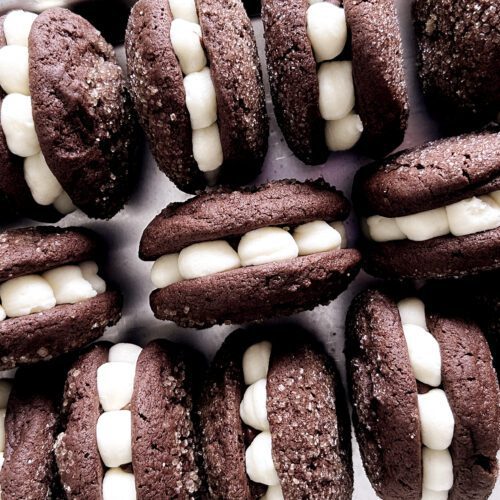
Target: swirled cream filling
{"points": [[16, 115], [253, 411], [186, 39], [260, 246], [469, 216], [34, 293], [327, 33], [436, 418], [115, 385]]}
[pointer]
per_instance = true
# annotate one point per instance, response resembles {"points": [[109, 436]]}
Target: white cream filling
{"points": [[436, 418], [115, 385], [39, 292], [186, 38], [253, 411], [260, 246], [327, 33], [16, 116], [469, 216]]}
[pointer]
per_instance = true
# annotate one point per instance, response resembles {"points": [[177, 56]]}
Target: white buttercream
{"points": [[317, 236], [468, 216], [118, 485], [267, 244], [336, 89], [114, 437], [259, 460], [253, 407], [208, 257], [256, 362]]}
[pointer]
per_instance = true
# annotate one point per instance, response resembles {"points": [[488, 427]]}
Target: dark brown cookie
{"points": [[83, 117], [154, 71], [437, 258], [276, 289], [305, 400], [13, 188], [37, 249], [158, 92], [378, 74], [31, 425], [292, 76], [429, 176], [222, 213], [471, 387], [43, 336], [77, 454], [165, 449], [384, 396], [284, 287], [458, 49], [223, 438]]}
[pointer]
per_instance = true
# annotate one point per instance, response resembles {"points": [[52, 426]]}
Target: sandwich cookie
{"points": [[336, 75], [129, 426], [458, 48], [432, 211], [52, 299], [238, 256], [274, 420], [197, 86], [67, 131], [29, 421], [425, 398]]}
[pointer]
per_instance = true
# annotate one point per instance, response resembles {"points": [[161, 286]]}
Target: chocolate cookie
{"points": [[48, 287], [203, 280], [359, 45], [458, 45], [425, 398], [195, 141], [433, 211], [303, 411], [161, 448], [31, 424], [68, 133]]}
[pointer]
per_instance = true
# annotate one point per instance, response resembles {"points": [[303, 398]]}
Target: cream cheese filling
{"points": [[115, 385], [34, 293], [436, 418], [327, 33], [16, 115], [186, 38], [469, 216], [253, 411], [260, 246]]}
